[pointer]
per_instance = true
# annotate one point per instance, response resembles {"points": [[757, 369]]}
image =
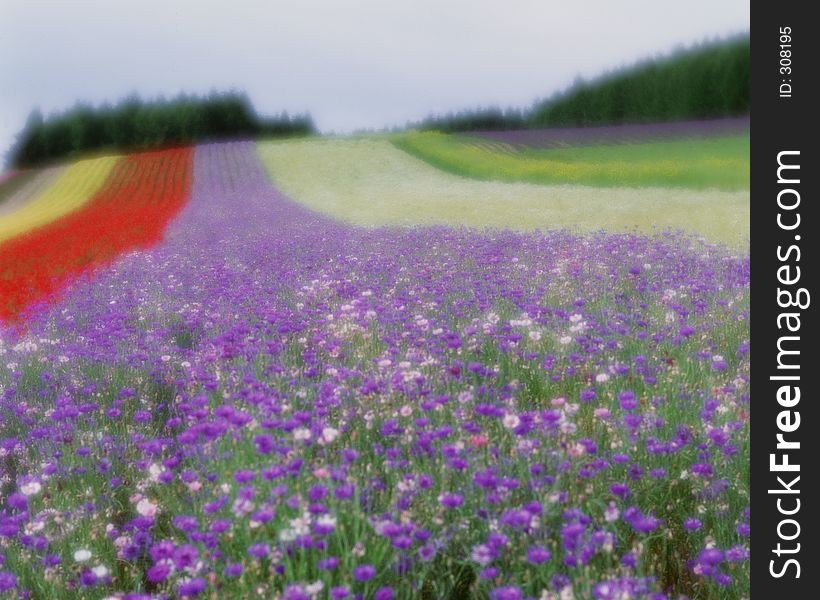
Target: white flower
{"points": [[100, 571], [482, 554], [82, 555], [146, 508], [612, 513], [601, 378], [327, 521], [511, 421], [31, 488], [301, 434], [564, 340], [577, 450], [568, 427], [314, 588], [154, 471], [329, 434], [567, 593]]}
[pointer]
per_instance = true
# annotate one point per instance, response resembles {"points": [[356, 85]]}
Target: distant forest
{"points": [[135, 124], [706, 80]]}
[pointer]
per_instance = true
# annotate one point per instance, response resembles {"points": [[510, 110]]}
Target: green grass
{"points": [[368, 181], [717, 162]]}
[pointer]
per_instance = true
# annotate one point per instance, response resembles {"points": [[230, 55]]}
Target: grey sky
{"points": [[351, 63]]}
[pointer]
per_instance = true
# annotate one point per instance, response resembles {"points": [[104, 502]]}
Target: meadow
{"points": [[368, 181], [257, 395], [704, 163]]}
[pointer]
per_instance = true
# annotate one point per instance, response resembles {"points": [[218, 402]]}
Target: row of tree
{"points": [[482, 119], [134, 124], [707, 80]]}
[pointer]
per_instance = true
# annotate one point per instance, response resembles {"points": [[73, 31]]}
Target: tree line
{"points": [[706, 80], [137, 124]]}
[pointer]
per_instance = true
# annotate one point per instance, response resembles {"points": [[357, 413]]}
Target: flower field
{"points": [[230, 395]]}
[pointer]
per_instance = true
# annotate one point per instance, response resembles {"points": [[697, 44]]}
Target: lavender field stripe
{"points": [[559, 137]]}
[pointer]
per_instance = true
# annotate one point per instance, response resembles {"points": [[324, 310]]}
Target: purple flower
{"points": [[8, 581], [629, 560], [191, 588], [384, 593], [710, 556], [703, 469], [509, 592], [719, 364], [619, 489], [185, 556], [737, 553], [427, 552], [364, 572], [259, 550], [159, 572], [317, 492], [295, 592], [88, 578], [628, 400], [264, 444], [538, 555], [244, 476], [18, 501], [645, 524], [452, 500]]}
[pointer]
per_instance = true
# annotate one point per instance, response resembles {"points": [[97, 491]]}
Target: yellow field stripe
{"points": [[37, 186], [76, 186]]}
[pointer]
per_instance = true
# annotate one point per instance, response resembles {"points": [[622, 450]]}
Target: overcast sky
{"points": [[351, 63]]}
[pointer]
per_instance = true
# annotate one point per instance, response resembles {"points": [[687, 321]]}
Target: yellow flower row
{"points": [[75, 186]]}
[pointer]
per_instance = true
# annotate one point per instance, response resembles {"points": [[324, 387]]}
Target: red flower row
{"points": [[143, 193]]}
